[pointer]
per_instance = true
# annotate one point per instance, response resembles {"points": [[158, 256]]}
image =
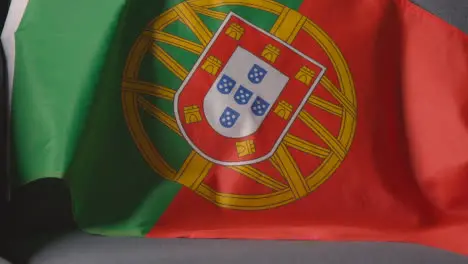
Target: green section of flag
{"points": [[67, 115]]}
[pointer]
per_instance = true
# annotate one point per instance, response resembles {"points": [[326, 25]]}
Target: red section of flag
{"points": [[406, 175]]}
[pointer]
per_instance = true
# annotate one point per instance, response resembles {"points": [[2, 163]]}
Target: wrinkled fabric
{"points": [[374, 147]]}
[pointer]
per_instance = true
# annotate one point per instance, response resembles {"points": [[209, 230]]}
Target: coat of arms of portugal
{"points": [[236, 107]]}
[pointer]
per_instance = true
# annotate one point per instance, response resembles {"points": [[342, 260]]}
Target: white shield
{"points": [[243, 94]]}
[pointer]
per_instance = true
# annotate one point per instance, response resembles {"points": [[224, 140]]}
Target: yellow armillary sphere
{"points": [[196, 166]]}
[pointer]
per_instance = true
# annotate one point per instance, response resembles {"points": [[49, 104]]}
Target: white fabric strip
{"points": [[15, 14]]}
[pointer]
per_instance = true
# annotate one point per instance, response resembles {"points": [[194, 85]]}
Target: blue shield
{"points": [[260, 106], [257, 74], [229, 117], [226, 84], [243, 95]]}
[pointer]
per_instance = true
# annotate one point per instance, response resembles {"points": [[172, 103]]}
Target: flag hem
{"points": [[13, 20], [413, 7]]}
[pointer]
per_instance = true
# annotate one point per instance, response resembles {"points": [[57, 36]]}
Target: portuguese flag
{"points": [[257, 119]]}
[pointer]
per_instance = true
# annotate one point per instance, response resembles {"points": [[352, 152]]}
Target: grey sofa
{"points": [[37, 225]]}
